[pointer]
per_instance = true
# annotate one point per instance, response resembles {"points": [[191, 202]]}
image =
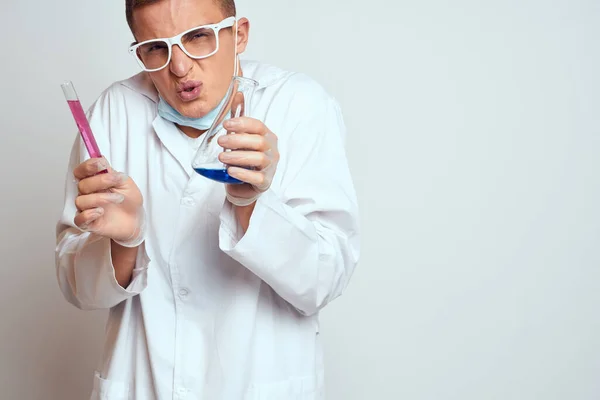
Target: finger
{"points": [[272, 139], [255, 178], [85, 219], [241, 191], [97, 200], [245, 124], [90, 168], [244, 141], [240, 158], [101, 182]]}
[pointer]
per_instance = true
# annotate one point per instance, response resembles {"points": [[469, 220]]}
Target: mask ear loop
{"points": [[235, 54]]}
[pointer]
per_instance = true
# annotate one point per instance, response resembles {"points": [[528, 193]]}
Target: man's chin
{"points": [[191, 110]]}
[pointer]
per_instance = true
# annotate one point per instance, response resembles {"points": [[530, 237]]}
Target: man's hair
{"points": [[227, 7]]}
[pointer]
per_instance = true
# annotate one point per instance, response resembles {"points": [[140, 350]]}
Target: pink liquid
{"points": [[84, 129]]}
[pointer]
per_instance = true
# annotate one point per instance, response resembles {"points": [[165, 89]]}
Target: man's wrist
{"points": [[243, 215], [123, 259]]}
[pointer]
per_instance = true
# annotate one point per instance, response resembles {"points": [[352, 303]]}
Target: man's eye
{"points": [[155, 47]]}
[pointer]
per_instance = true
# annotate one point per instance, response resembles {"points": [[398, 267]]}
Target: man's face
{"points": [[210, 77]]}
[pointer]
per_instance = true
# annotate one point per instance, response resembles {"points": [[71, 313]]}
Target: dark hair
{"points": [[227, 6]]}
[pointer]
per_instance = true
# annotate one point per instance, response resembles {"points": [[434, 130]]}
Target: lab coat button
{"points": [[183, 293], [187, 201]]}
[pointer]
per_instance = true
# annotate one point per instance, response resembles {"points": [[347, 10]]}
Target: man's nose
{"points": [[180, 63]]}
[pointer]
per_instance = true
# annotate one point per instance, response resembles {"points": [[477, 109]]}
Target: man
{"points": [[214, 290]]}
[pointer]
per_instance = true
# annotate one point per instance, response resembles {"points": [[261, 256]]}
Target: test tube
{"points": [[80, 119]]}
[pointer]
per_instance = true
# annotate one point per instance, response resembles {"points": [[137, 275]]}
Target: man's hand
{"points": [[108, 204], [253, 158]]}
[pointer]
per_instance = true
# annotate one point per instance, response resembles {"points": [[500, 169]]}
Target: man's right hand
{"points": [[108, 204]]}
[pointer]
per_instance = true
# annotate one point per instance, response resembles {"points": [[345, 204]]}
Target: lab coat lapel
{"points": [[174, 142]]}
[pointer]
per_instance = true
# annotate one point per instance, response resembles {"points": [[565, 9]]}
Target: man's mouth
{"points": [[190, 90], [188, 86]]}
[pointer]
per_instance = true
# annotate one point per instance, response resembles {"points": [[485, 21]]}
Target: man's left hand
{"points": [[253, 158]]}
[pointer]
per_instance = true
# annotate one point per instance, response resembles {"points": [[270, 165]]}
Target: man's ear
{"points": [[243, 33]]}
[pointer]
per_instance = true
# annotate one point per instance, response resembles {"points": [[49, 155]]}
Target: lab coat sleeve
{"points": [[303, 238], [83, 260]]}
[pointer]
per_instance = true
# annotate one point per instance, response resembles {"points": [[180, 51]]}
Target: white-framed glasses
{"points": [[197, 43]]}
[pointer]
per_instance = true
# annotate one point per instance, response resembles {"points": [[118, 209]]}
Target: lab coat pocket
{"points": [[304, 388], [105, 389]]}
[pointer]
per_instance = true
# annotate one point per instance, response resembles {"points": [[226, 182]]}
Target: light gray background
{"points": [[473, 138]]}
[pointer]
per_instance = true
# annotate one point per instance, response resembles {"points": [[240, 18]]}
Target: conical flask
{"points": [[237, 104]]}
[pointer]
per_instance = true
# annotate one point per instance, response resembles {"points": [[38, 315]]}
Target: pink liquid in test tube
{"points": [[81, 120]]}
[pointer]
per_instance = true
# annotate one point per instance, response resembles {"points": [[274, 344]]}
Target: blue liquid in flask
{"points": [[217, 174]]}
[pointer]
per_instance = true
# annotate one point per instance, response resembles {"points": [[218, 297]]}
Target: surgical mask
{"points": [[203, 123], [166, 111]]}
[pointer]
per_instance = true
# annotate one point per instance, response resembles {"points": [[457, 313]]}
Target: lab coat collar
{"points": [[175, 143], [142, 84]]}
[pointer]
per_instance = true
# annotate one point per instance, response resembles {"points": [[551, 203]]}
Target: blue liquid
{"points": [[219, 175]]}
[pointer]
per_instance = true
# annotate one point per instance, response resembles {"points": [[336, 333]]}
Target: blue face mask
{"points": [[203, 123]]}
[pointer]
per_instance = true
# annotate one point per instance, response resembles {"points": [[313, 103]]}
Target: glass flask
{"points": [[237, 104]]}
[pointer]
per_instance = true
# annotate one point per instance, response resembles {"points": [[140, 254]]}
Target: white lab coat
{"points": [[212, 313]]}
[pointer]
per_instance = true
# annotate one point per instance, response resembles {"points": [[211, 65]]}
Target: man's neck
{"points": [[191, 132]]}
